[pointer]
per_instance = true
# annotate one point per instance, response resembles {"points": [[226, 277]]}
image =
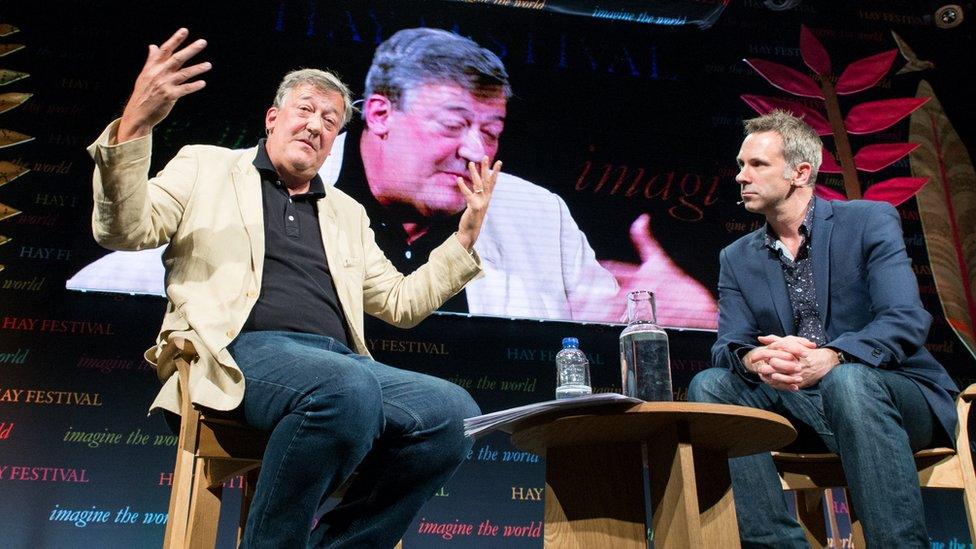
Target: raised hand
{"points": [[478, 196], [162, 81], [681, 300]]}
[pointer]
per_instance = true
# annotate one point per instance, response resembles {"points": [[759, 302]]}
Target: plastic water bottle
{"points": [[572, 371], [645, 362]]}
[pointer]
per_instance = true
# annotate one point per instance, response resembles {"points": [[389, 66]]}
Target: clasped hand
{"points": [[789, 363]]}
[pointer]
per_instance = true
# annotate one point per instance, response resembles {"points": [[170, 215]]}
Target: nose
{"points": [[740, 177], [313, 125], [472, 147]]}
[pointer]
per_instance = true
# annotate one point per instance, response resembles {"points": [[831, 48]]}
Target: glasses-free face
{"points": [[762, 168], [302, 130], [431, 137]]}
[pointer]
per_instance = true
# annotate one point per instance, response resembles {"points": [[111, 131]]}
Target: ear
{"points": [[269, 119], [376, 112], [801, 175]]}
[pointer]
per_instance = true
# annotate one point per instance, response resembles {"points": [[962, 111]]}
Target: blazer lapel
{"points": [[247, 186], [773, 273], [332, 235], [823, 224]]}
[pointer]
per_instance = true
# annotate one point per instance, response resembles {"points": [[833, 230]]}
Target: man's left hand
{"points": [[478, 196], [815, 363]]}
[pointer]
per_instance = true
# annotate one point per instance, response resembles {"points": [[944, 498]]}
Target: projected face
{"points": [[429, 142]]}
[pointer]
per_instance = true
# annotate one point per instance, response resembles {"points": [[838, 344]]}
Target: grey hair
{"points": [[324, 81], [414, 57], [800, 142]]}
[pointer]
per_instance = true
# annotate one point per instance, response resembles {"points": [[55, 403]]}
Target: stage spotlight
{"points": [[948, 16]]}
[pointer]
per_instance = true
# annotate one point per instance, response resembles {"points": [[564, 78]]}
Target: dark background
{"points": [[665, 99]]}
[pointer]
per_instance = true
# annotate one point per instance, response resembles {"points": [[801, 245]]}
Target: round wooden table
{"points": [[610, 472]]}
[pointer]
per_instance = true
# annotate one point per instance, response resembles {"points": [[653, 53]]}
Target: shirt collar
{"points": [[806, 228], [262, 162]]}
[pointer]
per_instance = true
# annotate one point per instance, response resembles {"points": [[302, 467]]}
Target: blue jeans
{"points": [[330, 411], [873, 418]]}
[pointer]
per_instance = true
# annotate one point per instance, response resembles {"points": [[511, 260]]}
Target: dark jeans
{"points": [[330, 410], [873, 418]]}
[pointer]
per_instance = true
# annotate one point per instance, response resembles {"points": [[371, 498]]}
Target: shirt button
{"points": [[252, 294], [230, 333], [291, 218]]}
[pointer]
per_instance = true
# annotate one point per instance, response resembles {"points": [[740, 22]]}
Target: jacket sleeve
{"points": [[406, 300], [899, 324], [131, 211], [737, 327]]}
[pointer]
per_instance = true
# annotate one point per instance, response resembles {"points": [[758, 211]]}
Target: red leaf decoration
{"points": [[827, 193], [829, 165], [785, 78], [895, 190], [764, 104], [875, 116], [864, 73], [872, 158], [813, 52]]}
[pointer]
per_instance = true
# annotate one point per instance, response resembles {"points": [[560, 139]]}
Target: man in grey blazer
{"points": [[269, 274], [820, 320]]}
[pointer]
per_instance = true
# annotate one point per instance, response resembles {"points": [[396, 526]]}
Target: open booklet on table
{"points": [[505, 420]]}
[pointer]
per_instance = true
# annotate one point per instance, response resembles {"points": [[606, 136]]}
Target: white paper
{"points": [[479, 425]]}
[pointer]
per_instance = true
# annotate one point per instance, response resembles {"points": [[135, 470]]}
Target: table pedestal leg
{"points": [[595, 497], [691, 494]]}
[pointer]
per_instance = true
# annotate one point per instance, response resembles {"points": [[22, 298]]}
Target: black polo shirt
{"points": [[387, 224], [297, 292]]}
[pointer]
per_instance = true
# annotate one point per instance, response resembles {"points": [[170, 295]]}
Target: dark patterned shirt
{"points": [[798, 272]]}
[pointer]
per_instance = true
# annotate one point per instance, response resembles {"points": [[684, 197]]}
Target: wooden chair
{"points": [[811, 474], [210, 451]]}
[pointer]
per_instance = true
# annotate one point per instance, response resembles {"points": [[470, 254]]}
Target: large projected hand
{"points": [[477, 197], [162, 81], [681, 300]]}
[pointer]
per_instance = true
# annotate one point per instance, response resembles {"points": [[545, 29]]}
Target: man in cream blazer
{"points": [[269, 275]]}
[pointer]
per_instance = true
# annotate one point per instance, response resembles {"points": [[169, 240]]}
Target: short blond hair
{"points": [[800, 141]]}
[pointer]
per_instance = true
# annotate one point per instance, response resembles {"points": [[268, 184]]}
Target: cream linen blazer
{"points": [[206, 203]]}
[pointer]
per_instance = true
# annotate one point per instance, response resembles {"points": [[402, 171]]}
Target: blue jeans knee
{"points": [[712, 385]]}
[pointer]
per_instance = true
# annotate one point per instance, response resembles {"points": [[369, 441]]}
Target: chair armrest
{"points": [[184, 355], [969, 393]]}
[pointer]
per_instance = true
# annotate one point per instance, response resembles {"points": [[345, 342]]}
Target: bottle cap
{"points": [[570, 342]]}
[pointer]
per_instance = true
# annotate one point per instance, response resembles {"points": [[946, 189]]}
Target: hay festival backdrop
{"points": [[629, 112]]}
